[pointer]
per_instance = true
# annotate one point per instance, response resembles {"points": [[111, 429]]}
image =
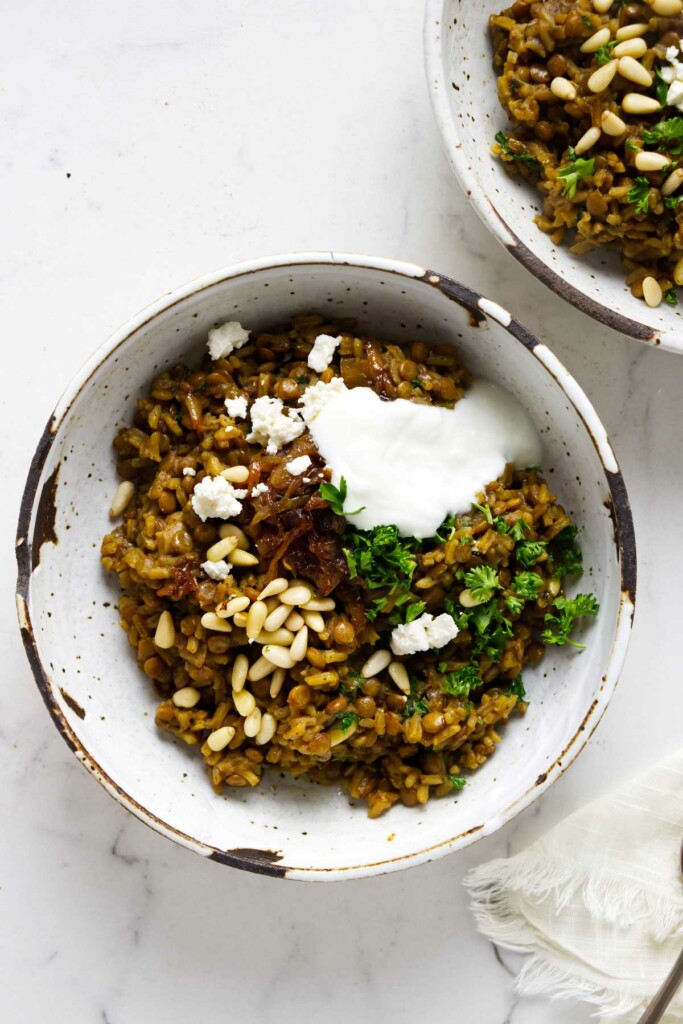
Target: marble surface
{"points": [[144, 145]]}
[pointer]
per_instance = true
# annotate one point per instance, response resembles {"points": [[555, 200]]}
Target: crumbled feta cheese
{"points": [[318, 395], [271, 426], [237, 407], [259, 489], [218, 571], [225, 339], [241, 492], [297, 466], [214, 498], [423, 633], [673, 76], [320, 356], [306, 479], [189, 471]]}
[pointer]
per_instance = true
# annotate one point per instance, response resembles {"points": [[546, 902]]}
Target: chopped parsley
{"points": [[414, 610], [567, 557], [671, 297], [666, 135], [514, 604], [457, 781], [603, 54], [530, 551], [631, 146], [569, 609], [523, 157], [481, 582], [415, 706], [527, 585], [446, 530], [640, 195], [336, 496], [302, 380], [672, 202], [417, 383], [460, 682], [516, 689], [353, 681], [661, 87], [345, 719], [381, 558], [576, 169], [491, 629], [488, 514], [587, 22]]}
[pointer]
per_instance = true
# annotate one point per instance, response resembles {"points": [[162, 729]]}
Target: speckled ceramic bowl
{"points": [[103, 705], [462, 85]]}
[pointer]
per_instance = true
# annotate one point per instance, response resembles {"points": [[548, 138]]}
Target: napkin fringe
{"points": [[540, 976]]}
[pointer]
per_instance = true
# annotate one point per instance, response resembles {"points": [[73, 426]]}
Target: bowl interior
{"points": [[109, 706], [463, 86]]}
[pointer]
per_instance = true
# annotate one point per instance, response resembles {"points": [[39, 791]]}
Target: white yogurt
{"points": [[411, 464]]}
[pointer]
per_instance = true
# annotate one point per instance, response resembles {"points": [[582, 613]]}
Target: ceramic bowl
{"points": [[103, 705], [462, 84]]}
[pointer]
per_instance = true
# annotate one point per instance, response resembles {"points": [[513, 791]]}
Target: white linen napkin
{"points": [[598, 900]]}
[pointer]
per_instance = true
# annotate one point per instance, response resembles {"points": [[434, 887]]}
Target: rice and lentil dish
{"points": [[594, 91], [266, 635]]}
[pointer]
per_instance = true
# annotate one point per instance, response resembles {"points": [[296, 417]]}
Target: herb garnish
{"points": [[414, 610], [415, 706], [671, 202], [530, 551], [488, 514], [559, 626], [345, 719], [640, 195], [671, 297], [527, 585], [460, 682], [302, 380], [381, 558], [516, 689], [526, 158], [661, 87], [666, 135], [336, 496], [457, 781], [576, 169], [481, 582], [566, 556], [514, 604], [603, 54]]}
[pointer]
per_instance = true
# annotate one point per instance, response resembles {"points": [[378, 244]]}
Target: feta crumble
{"points": [[225, 339], [237, 407], [423, 634], [320, 356], [218, 571], [673, 76], [297, 466], [189, 471], [215, 498], [259, 489], [241, 492], [315, 398], [271, 426]]}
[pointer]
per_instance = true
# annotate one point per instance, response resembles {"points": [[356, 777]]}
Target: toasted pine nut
{"points": [[673, 182], [278, 656], [239, 672], [243, 558], [210, 620], [647, 161], [294, 621], [636, 103], [314, 621], [260, 669], [124, 492], [639, 28], [467, 599], [219, 739], [601, 78], [274, 587], [221, 548], [299, 644], [612, 124], [399, 674], [240, 619], [595, 41], [277, 618], [236, 604], [318, 604], [281, 637], [230, 530], [630, 69], [587, 140], [678, 272], [236, 474], [252, 723], [186, 697], [554, 586], [277, 681], [652, 293], [338, 736], [258, 613], [296, 595], [164, 636], [666, 8], [267, 730], [375, 664], [563, 89], [244, 702], [601, 6], [631, 48]]}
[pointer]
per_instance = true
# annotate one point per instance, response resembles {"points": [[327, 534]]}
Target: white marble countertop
{"points": [[145, 144]]}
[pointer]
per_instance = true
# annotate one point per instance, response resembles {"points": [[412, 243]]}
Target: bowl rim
{"points": [[494, 218], [41, 504]]}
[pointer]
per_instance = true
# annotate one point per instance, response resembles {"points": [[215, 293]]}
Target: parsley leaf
{"points": [[457, 781], [587, 22], [302, 380], [640, 195], [530, 551], [415, 706], [661, 88], [566, 556], [352, 682], [491, 630], [460, 682], [666, 135], [630, 145], [481, 582], [559, 626], [417, 383], [446, 529], [485, 510], [671, 297], [345, 719], [576, 169], [414, 610], [518, 529], [516, 689], [527, 585], [603, 54], [336, 496], [524, 157], [672, 202], [514, 604], [381, 558]]}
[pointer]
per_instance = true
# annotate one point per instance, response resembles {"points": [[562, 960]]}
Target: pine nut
{"points": [[274, 587], [595, 41], [375, 664], [601, 78], [278, 656], [554, 586], [563, 89], [236, 474], [259, 670], [219, 739], [630, 69], [221, 548], [652, 293], [240, 619], [277, 682], [338, 736], [210, 620], [673, 182], [299, 644], [631, 31], [646, 161], [636, 103], [186, 697], [467, 599], [314, 621], [258, 613], [294, 621], [601, 6], [297, 595], [399, 674], [587, 140], [277, 618], [612, 124], [164, 636], [236, 604], [678, 272], [230, 530], [243, 558], [252, 723], [281, 637], [244, 702], [319, 604], [630, 48], [267, 730], [239, 672], [666, 8], [124, 492]]}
